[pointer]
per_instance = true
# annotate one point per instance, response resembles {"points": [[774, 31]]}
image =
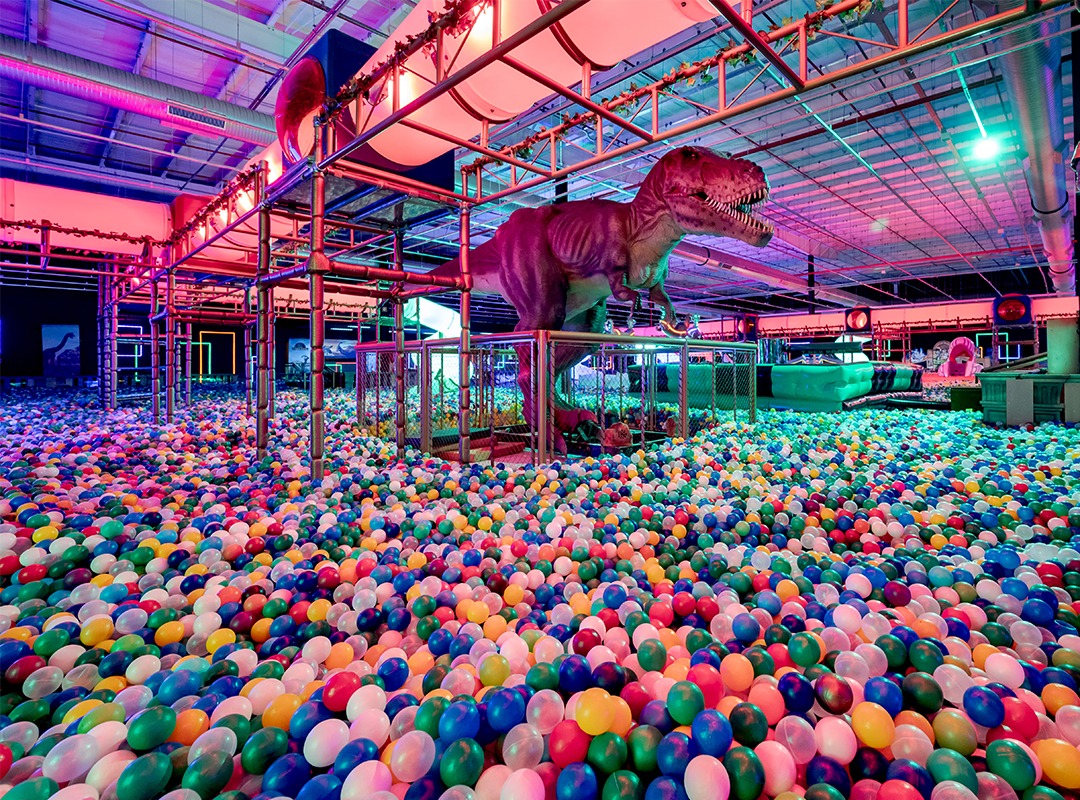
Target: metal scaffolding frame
{"points": [[250, 204]]}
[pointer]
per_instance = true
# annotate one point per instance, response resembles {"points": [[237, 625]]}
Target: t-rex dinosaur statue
{"points": [[558, 264]]}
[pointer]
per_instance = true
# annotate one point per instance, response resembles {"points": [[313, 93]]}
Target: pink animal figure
{"points": [[961, 360], [616, 437]]}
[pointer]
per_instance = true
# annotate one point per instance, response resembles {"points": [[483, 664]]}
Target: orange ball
{"points": [[279, 713], [737, 672], [190, 725]]}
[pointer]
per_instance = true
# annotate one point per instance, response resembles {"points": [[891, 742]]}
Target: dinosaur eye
{"points": [[690, 154]]}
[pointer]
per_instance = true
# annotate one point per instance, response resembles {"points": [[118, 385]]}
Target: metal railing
{"points": [[537, 395]]}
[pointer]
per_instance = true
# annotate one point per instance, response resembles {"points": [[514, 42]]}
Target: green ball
{"points": [[208, 774], [151, 728], [823, 791], [748, 724], [262, 748], [145, 777], [462, 763], [652, 655], [34, 789], [625, 785], [922, 693], [804, 649], [948, 765], [685, 701], [1007, 759], [746, 773], [607, 752], [642, 742]]}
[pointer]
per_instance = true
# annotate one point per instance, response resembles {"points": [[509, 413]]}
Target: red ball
{"points": [[1020, 717], [568, 744], [585, 640], [707, 678], [339, 689]]}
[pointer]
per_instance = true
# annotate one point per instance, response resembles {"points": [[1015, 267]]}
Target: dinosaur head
{"points": [[707, 193]]}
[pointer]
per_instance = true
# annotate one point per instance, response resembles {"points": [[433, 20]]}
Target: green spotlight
{"points": [[986, 148]]}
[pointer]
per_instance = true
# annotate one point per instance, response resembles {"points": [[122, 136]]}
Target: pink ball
{"points": [[779, 767], [835, 739], [706, 779]]}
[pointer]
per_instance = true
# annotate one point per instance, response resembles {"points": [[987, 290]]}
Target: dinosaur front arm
{"points": [[619, 289]]}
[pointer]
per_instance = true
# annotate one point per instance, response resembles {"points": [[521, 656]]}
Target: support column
{"points": [[155, 356], [272, 409], [262, 306], [102, 342], [170, 349], [249, 378], [187, 366], [113, 322], [465, 309], [399, 345], [318, 265]]}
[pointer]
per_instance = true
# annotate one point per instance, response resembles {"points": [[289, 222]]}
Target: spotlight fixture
{"points": [[857, 320], [986, 148]]}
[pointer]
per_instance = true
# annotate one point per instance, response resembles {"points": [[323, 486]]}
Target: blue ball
{"points": [[674, 752], [984, 707], [666, 788], [885, 693], [712, 733], [353, 755], [505, 709], [460, 720], [577, 781], [287, 775]]}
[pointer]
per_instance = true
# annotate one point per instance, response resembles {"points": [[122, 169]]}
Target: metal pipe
{"points": [[271, 410], [89, 80], [540, 378], [317, 268], [684, 392], [155, 357], [262, 303], [399, 346], [1033, 80], [465, 312], [170, 349], [187, 366], [826, 79], [249, 378], [425, 398]]}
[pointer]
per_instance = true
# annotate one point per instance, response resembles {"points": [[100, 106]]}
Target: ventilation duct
{"points": [[179, 108], [1033, 80]]}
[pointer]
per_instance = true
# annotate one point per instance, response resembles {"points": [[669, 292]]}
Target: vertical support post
{"points": [[425, 397], [902, 35], [155, 356], [358, 382], [187, 364], [263, 390], [540, 371], [735, 357], [318, 265], [249, 377], [753, 386], [684, 392], [102, 342], [114, 329], [465, 310], [811, 282], [399, 344], [170, 348], [272, 409]]}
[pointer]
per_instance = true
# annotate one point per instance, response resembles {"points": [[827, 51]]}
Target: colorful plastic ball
{"points": [[984, 707], [706, 778], [577, 781], [745, 772], [873, 725], [595, 711], [413, 755], [325, 741], [461, 763]]}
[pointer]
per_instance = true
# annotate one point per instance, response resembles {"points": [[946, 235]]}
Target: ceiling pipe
{"points": [[707, 257], [1033, 80], [89, 80]]}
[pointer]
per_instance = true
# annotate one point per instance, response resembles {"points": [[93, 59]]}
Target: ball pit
{"points": [[876, 604]]}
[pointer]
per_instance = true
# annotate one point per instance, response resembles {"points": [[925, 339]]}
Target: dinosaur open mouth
{"points": [[742, 209]]}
